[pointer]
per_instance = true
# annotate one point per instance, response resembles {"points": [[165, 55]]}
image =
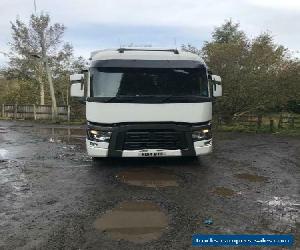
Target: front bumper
{"points": [[149, 140], [98, 151]]}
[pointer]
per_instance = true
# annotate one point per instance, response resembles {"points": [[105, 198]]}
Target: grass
{"points": [[253, 129], [291, 132]]}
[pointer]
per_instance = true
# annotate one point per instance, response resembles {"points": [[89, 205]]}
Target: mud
{"points": [[251, 177], [223, 191], [52, 196]]}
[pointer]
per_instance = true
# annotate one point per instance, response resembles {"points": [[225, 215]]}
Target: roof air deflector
{"points": [[122, 50]]}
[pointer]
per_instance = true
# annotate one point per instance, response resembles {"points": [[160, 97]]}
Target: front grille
{"points": [[154, 139]]}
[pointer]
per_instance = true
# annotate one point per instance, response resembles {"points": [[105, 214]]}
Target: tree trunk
{"points": [[42, 84], [63, 97], [52, 93], [42, 91], [67, 95], [49, 75]]}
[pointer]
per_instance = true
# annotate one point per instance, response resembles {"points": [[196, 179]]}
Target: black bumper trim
{"points": [[119, 130]]}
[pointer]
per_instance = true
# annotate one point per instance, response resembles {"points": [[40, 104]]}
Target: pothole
{"points": [[135, 221], [224, 192], [251, 177], [148, 178]]}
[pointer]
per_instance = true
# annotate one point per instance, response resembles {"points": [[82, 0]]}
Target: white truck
{"points": [[147, 102]]}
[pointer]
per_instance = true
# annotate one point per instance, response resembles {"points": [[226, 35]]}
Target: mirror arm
{"points": [[82, 83], [82, 100]]}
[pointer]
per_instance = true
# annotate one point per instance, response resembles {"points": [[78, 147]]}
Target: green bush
{"points": [[294, 106]]}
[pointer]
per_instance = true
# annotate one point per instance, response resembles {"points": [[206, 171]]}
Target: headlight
{"points": [[202, 134], [99, 135]]}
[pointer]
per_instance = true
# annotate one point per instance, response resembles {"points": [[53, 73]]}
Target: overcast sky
{"points": [[96, 24]]}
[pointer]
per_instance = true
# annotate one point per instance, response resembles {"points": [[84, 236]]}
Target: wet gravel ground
{"points": [[52, 196]]}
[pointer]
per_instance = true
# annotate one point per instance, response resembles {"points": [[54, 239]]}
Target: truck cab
{"points": [[147, 102]]}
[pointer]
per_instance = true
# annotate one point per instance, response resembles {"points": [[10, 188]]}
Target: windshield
{"points": [[137, 82]]}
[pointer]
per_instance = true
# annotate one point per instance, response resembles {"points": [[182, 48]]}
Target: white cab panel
{"points": [[137, 112]]}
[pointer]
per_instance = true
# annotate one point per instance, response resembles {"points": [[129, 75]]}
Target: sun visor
{"points": [[115, 63]]}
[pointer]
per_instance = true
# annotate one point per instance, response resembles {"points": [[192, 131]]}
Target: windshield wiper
{"points": [[119, 97], [181, 97], [160, 98], [109, 99]]}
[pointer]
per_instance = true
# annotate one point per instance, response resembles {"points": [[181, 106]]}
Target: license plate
{"points": [[151, 154]]}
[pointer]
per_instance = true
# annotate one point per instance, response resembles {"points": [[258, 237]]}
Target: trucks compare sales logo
{"points": [[242, 240]]}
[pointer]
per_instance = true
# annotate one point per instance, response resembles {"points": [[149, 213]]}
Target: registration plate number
{"points": [[152, 154]]}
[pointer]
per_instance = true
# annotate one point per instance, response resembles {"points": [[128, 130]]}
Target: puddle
{"points": [[224, 192], [59, 131], [3, 153], [15, 188], [58, 134], [135, 221], [282, 213], [251, 177], [154, 178], [3, 130]]}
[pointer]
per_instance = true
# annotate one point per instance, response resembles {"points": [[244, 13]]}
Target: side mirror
{"points": [[77, 85], [216, 85]]}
